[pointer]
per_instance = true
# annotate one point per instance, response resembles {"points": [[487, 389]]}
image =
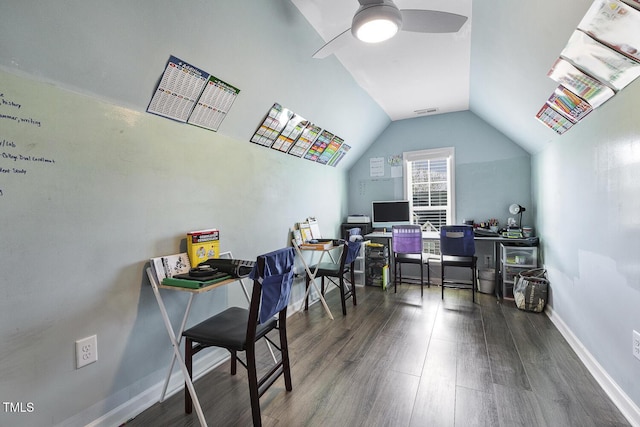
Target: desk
{"points": [[176, 336], [496, 240], [312, 275]]}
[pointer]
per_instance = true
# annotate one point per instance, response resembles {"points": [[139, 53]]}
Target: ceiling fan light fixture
{"points": [[376, 23]]}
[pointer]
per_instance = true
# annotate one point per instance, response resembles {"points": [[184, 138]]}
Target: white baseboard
{"points": [[149, 397], [628, 408]]}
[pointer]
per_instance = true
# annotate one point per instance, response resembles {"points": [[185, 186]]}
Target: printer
{"points": [[358, 219]]}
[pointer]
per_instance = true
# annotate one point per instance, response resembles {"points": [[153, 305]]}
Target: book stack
{"points": [[203, 245]]}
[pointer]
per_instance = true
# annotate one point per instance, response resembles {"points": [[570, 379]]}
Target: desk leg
{"points": [[179, 340], [176, 349], [313, 281], [498, 275]]}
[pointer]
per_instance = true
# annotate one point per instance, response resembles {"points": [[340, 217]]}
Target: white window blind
{"points": [[429, 186]]}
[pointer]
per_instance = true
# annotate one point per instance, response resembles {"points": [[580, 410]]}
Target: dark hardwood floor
{"points": [[401, 360]]}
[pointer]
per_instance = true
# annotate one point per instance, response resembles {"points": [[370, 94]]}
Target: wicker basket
{"points": [[530, 290]]}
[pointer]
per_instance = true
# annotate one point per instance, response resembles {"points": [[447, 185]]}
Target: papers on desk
{"points": [[321, 245], [170, 265], [315, 228]]}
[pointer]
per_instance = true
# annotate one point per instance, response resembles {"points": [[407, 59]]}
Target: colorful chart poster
{"points": [[287, 132], [598, 60], [615, 24], [290, 133], [331, 150], [553, 119], [586, 87], [319, 146], [305, 140], [275, 121], [344, 149], [569, 104], [178, 90], [214, 104]]}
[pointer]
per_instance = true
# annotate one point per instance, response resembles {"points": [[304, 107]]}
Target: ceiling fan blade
{"points": [[335, 44], [431, 21], [370, 2]]}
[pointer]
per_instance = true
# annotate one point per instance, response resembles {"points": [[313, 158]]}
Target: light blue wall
{"points": [[127, 185], [585, 183], [491, 171], [587, 187]]}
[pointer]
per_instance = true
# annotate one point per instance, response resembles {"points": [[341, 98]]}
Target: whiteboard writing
{"points": [[13, 106], [14, 160]]}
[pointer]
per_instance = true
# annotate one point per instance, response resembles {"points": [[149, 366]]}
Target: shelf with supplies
{"points": [[515, 259], [360, 266], [377, 263]]}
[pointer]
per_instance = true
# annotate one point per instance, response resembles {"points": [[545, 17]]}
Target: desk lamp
{"points": [[517, 209]]}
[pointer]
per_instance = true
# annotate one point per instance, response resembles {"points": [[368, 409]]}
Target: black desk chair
{"points": [[344, 266], [406, 241], [457, 249], [238, 329]]}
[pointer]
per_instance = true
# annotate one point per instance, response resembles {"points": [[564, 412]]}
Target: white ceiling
{"points": [[410, 73]]}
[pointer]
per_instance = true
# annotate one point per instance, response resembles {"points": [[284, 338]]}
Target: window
{"points": [[429, 185]]}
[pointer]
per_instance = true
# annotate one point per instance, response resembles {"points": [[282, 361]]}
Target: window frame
{"points": [[447, 153]]}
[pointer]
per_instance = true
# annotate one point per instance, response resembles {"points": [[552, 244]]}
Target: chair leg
{"points": [[473, 283], [284, 351], [254, 394], [342, 296], [395, 276], [421, 278], [306, 290], [442, 279], [353, 286], [234, 362], [188, 361]]}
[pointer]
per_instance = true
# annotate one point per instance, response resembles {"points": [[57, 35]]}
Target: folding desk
{"points": [[496, 240], [176, 336], [312, 274]]}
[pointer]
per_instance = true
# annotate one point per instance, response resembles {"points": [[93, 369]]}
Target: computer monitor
{"points": [[386, 214]]}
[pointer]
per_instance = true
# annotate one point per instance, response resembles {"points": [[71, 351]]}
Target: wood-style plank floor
{"points": [[402, 360]]}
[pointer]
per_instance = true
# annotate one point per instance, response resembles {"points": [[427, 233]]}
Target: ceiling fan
{"points": [[379, 20]]}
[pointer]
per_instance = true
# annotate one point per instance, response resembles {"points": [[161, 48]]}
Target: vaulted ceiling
{"points": [[496, 65], [410, 75]]}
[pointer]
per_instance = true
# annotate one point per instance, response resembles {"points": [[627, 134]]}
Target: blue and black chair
{"points": [[406, 241], [336, 273], [457, 250], [238, 329]]}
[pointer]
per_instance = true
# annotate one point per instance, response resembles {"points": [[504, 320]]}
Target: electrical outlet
{"points": [[86, 351], [636, 344]]}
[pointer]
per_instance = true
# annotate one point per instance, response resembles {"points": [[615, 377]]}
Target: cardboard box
{"points": [[203, 245]]}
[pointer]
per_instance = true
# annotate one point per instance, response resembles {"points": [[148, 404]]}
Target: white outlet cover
{"points": [[86, 351], [636, 344]]}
